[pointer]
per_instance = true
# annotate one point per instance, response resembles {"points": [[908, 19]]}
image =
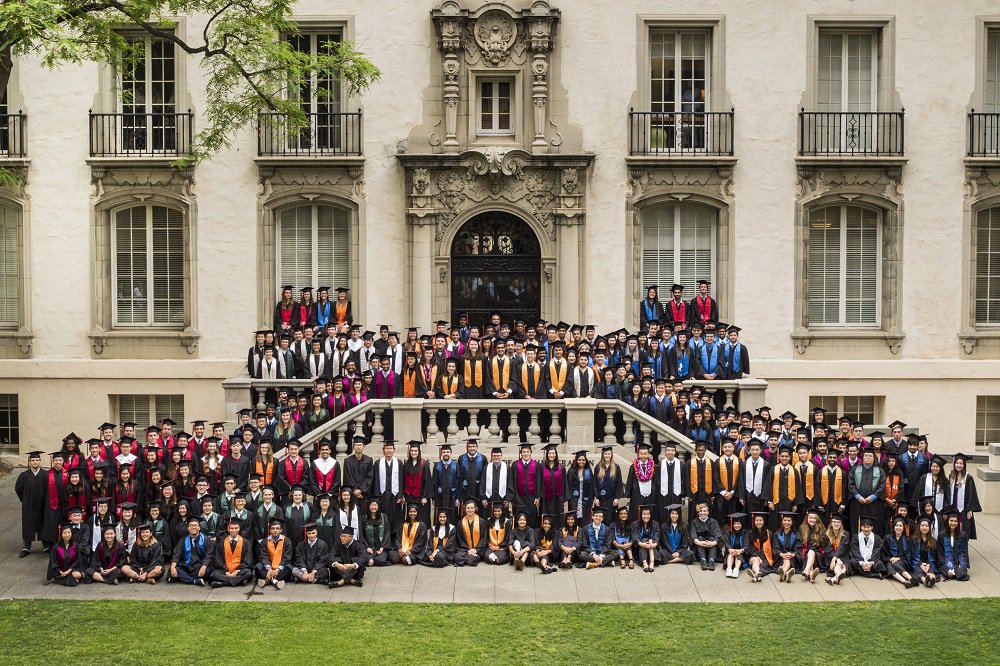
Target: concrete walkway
{"points": [[24, 579]]}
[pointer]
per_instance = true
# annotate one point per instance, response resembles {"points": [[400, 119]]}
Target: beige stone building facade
{"points": [[833, 168]]}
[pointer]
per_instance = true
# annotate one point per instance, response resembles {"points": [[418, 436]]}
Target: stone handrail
{"points": [[743, 394]]}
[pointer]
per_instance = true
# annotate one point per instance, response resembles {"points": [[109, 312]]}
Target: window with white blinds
{"points": [[678, 245], [146, 410], [844, 266], [987, 419], [988, 266], [314, 247], [148, 266], [9, 266]]}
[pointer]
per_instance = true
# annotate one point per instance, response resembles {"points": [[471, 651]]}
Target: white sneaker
{"points": [[736, 572]]}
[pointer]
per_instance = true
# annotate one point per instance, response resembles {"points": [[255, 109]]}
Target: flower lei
{"points": [[643, 470]]}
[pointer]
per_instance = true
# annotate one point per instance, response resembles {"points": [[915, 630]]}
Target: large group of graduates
{"points": [[762, 493]]}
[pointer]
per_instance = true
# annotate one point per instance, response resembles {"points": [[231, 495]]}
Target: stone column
{"points": [[449, 21], [421, 217], [569, 217], [540, 28]]}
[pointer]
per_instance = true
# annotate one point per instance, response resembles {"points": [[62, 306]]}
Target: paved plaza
{"points": [[25, 579]]}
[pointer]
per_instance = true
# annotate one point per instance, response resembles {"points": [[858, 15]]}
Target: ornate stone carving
{"points": [[980, 181], [642, 182], [421, 180], [495, 33], [348, 181], [442, 272], [814, 182], [570, 180], [109, 178], [495, 164], [451, 194]]}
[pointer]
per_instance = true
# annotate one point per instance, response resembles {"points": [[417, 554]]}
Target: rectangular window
{"points": [[678, 245], [314, 247], [678, 89], [496, 102], [992, 92], [319, 94], [987, 419], [847, 93], [9, 425], [844, 266], [9, 267], [864, 408], [988, 266], [147, 94], [146, 410], [148, 266]]}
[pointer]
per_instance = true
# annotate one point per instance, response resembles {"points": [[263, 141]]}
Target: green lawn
{"points": [[136, 632]]}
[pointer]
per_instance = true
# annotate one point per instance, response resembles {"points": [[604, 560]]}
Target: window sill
{"points": [[803, 337], [316, 159], [22, 336], [970, 337], [187, 338]]}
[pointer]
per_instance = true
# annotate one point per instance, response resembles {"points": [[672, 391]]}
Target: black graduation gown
{"points": [[971, 503], [389, 502], [78, 563], [352, 553], [789, 485], [867, 486], [52, 517], [519, 474], [579, 491], [425, 489], [32, 490], [312, 558], [634, 492], [358, 474], [694, 314], [239, 468], [723, 506], [445, 546], [649, 311], [552, 501], [295, 520], [419, 540], [145, 558], [470, 390]]}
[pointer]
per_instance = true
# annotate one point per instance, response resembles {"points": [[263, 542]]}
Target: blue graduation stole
{"points": [[709, 358], [322, 315], [650, 308]]}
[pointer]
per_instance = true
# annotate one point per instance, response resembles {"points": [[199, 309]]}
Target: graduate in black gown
{"points": [[440, 547], [145, 560], [865, 488], [31, 490], [412, 537], [348, 561], [312, 558], [67, 559], [54, 511], [964, 497]]}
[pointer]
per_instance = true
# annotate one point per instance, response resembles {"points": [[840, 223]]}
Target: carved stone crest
{"points": [[496, 164], [570, 180], [495, 33]]}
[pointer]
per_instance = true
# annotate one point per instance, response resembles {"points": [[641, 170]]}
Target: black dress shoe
{"points": [[24, 553], [358, 583], [216, 584]]}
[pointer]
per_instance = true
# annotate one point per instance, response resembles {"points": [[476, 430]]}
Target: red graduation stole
{"points": [[54, 489], [294, 472], [704, 307], [325, 481]]}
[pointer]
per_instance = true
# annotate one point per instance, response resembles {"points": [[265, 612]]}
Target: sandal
{"points": [[631, 564], [622, 565]]}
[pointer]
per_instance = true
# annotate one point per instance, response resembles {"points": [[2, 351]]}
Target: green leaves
{"points": [[243, 46]]}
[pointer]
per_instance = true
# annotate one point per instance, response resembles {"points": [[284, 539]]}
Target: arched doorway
{"points": [[496, 265]]}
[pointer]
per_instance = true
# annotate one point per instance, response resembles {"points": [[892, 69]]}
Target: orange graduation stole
{"points": [[450, 384], [838, 489], [776, 484], [695, 486], [809, 478], [409, 536], [473, 372], [234, 556], [724, 479], [499, 382], [266, 471], [471, 533], [341, 311], [496, 536], [765, 549], [524, 375], [409, 383], [274, 552], [558, 378], [443, 541]]}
